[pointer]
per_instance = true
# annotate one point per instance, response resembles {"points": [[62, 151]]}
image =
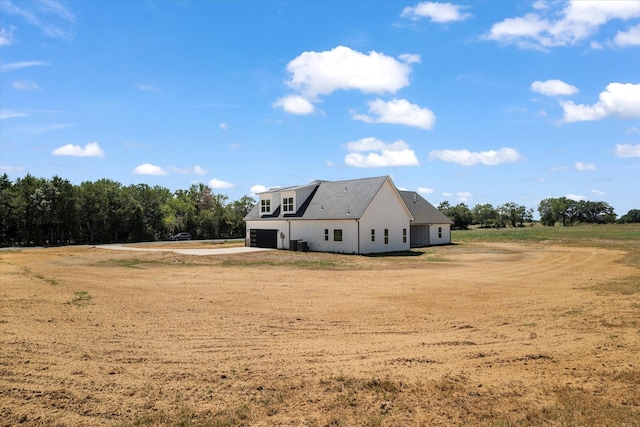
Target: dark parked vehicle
{"points": [[181, 236]]}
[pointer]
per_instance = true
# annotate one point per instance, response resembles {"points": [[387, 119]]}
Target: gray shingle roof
{"points": [[343, 199], [332, 200], [423, 212], [349, 199]]}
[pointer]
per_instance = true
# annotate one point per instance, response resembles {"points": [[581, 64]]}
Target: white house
{"points": [[358, 216]]}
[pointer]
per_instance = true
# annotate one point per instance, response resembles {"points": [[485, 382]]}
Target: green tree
{"points": [[631, 217], [7, 213], [236, 212], [553, 210], [25, 204], [459, 214], [485, 215], [515, 215]]}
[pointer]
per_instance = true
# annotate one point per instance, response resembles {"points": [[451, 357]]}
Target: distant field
{"points": [[514, 327]]}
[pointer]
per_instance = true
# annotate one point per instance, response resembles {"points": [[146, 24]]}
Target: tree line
{"points": [[38, 211], [552, 211]]}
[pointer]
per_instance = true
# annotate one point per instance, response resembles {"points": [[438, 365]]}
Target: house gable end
{"points": [[423, 211]]}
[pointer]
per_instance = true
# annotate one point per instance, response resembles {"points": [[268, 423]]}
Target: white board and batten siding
{"points": [[439, 234], [386, 212], [430, 235], [313, 232], [281, 226]]}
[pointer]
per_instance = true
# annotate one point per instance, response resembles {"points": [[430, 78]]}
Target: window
{"points": [[373, 235], [404, 235], [337, 235], [386, 236], [326, 234], [287, 204], [439, 232], [265, 206]]}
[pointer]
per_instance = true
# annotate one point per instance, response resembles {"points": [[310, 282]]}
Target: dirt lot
{"points": [[470, 334]]}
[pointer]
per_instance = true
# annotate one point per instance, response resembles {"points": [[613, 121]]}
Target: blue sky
{"points": [[470, 101]]}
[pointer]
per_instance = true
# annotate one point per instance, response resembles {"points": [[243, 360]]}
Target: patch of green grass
{"points": [[573, 407], [80, 299], [631, 376], [183, 416], [624, 237], [52, 282], [131, 262], [307, 265], [626, 286]]}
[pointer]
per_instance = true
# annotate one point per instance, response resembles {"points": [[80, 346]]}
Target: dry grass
{"points": [[486, 333]]}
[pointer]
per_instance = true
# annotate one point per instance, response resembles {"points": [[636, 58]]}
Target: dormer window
{"points": [[287, 204], [265, 206]]}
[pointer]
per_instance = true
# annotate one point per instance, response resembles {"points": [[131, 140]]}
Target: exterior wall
{"points": [[313, 232], [281, 226], [446, 234], [386, 211], [302, 195], [420, 235]]}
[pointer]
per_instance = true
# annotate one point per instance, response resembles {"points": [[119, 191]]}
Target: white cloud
{"points": [[540, 5], [425, 190], [148, 88], [255, 189], [410, 58], [598, 193], [218, 184], [436, 12], [468, 158], [627, 150], [295, 104], [619, 100], [561, 23], [464, 196], [553, 88], [633, 130], [329, 163], [575, 197], [398, 111], [380, 154], [25, 85], [20, 65], [585, 166], [6, 36], [628, 38], [194, 170], [51, 128], [11, 169], [223, 126], [50, 16], [322, 73], [149, 169], [92, 149], [9, 114], [374, 144]]}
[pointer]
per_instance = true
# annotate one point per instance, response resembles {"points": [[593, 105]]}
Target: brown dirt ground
{"points": [[492, 334]]}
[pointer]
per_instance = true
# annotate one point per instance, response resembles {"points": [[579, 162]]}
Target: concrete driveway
{"points": [[218, 251]]}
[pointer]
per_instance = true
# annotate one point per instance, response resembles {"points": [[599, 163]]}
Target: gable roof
{"points": [[346, 199], [343, 199], [423, 212]]}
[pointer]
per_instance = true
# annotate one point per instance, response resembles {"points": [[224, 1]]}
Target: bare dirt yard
{"points": [[478, 333]]}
